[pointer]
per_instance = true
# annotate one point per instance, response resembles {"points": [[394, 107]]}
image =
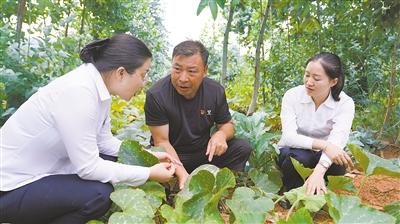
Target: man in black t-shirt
{"points": [[182, 107]]}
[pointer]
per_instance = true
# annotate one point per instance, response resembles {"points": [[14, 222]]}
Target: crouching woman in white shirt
{"points": [[52, 148], [316, 122]]}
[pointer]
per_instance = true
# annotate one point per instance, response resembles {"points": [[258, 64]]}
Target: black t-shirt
{"points": [[190, 120]]}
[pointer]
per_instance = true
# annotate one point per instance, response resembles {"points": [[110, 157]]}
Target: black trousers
{"points": [[291, 179], [234, 158], [56, 199]]}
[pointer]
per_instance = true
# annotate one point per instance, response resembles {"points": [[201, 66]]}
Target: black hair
{"points": [[122, 50], [333, 68], [189, 48]]}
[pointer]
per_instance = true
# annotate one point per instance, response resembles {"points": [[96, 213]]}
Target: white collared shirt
{"points": [[301, 123], [61, 129]]}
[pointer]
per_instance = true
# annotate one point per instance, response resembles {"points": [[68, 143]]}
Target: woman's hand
{"points": [[337, 155], [162, 172], [315, 182], [165, 157]]}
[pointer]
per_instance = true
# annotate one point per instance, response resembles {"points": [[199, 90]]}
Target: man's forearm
{"points": [[228, 130]]}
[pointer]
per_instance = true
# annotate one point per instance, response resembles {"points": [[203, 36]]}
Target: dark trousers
{"points": [[56, 199], [291, 179], [234, 158]]}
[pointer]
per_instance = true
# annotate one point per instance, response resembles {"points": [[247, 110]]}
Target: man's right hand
{"points": [[162, 172], [182, 175]]}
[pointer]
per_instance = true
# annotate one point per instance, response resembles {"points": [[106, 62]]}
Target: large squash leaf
{"points": [[155, 194], [136, 208], [132, 153], [198, 200], [394, 210], [348, 209], [372, 164], [300, 216], [303, 171], [247, 208], [340, 183], [269, 182], [299, 198]]}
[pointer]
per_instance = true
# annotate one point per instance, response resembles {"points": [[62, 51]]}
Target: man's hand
{"points": [[182, 175], [216, 145], [162, 172], [338, 156], [316, 182]]}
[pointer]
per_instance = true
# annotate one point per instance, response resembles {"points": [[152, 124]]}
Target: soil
{"points": [[389, 152]]}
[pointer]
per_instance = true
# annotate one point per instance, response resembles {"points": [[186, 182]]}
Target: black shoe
{"points": [[285, 204]]}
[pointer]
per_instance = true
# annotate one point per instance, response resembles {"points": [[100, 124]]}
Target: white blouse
{"points": [[301, 123], [61, 129]]}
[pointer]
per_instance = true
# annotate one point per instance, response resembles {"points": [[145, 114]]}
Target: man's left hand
{"points": [[216, 145]]}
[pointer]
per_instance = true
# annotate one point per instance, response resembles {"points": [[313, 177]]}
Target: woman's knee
{"points": [[100, 201]]}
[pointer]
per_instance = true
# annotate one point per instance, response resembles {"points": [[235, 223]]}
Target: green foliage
{"points": [[365, 138], [303, 171], [132, 153], [247, 208], [298, 198], [213, 4], [348, 209], [300, 216], [255, 130], [340, 183], [372, 164], [198, 201], [269, 182], [394, 210], [136, 208]]}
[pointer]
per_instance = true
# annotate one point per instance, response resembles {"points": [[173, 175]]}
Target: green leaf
{"points": [[132, 153], [394, 210], [303, 171], [348, 209], [95, 222], [247, 208], [198, 201], [136, 208], [269, 182], [202, 5], [300, 216], [299, 198], [340, 183], [221, 3], [213, 8], [372, 164], [155, 193]]}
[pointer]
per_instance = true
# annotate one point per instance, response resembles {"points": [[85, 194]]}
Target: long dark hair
{"points": [[122, 50], [333, 68]]}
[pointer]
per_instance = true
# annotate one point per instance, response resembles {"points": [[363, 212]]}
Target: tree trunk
{"points": [[392, 85], [257, 64], [20, 18], [319, 20], [83, 15], [225, 45], [67, 25]]}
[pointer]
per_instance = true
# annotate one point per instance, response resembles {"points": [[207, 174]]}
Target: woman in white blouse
{"points": [[57, 152], [316, 122]]}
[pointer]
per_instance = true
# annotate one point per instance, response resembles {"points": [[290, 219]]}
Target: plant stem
{"points": [[280, 198], [291, 209], [362, 185]]}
